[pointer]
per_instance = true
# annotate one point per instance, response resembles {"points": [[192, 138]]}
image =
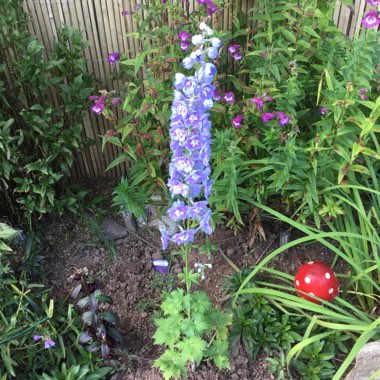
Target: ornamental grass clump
{"points": [[190, 328]]}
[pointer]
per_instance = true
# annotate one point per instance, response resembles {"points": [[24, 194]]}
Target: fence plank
{"points": [[104, 26]]}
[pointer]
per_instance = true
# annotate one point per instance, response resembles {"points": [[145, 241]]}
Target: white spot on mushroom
{"points": [[311, 262], [307, 280], [331, 291], [312, 294], [297, 283], [327, 275]]}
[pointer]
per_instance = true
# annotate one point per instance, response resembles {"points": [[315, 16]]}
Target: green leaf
{"points": [[168, 330], [192, 349], [309, 30], [171, 364], [173, 303]]}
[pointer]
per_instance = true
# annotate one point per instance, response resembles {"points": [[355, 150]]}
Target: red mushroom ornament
{"points": [[317, 280]]}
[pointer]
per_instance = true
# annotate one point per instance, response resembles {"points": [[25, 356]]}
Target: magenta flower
{"points": [[268, 99], [236, 122], [97, 108], [284, 119], [37, 337], [323, 111], [374, 3], [259, 102], [229, 97], [113, 57], [266, 116], [183, 36], [184, 45], [93, 97], [49, 343], [125, 12], [371, 19]]}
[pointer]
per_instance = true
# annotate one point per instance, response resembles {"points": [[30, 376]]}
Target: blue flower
{"points": [[187, 63], [190, 133]]}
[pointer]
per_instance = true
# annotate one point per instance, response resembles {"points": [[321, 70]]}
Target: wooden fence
{"points": [[103, 25]]}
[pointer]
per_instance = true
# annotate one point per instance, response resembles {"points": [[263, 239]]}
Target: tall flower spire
{"points": [[190, 134]]}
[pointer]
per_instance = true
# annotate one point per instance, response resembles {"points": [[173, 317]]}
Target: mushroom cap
{"points": [[318, 280]]}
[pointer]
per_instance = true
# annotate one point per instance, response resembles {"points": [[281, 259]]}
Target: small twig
{"points": [[145, 241], [265, 250]]}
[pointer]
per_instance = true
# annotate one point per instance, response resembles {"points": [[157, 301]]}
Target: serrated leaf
{"points": [[192, 349], [168, 330], [173, 303]]}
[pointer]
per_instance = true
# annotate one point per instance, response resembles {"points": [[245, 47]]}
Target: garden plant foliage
{"points": [[295, 124], [40, 117], [293, 109]]}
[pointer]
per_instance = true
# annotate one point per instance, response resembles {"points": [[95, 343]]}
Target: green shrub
{"points": [[40, 119]]}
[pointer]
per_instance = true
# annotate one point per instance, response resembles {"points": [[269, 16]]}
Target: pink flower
{"points": [[284, 119], [259, 102], [266, 116], [236, 122], [371, 19]]}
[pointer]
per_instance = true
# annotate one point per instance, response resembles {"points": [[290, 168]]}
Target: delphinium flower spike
{"points": [[190, 134]]}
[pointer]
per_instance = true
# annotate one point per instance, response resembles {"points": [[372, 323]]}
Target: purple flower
{"points": [[229, 97], [186, 236], [184, 45], [259, 102], [362, 93], [217, 96], [125, 12], [178, 188], [49, 343], [284, 119], [323, 111], [183, 36], [236, 122], [268, 99], [116, 101], [233, 48], [98, 108], [266, 116], [374, 3], [205, 223], [37, 337], [161, 266], [93, 97], [371, 19], [113, 57], [237, 56], [164, 1]]}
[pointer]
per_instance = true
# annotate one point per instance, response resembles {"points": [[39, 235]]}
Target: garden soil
{"points": [[127, 276]]}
